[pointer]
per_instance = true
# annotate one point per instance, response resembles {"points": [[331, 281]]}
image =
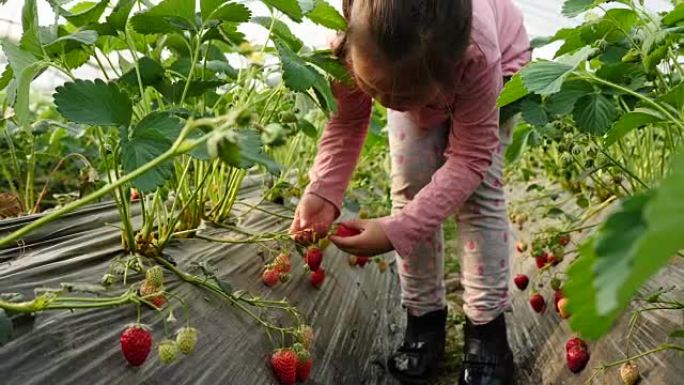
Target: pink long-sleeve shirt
{"points": [[499, 47]]}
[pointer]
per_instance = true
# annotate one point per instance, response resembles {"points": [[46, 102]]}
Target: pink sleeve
{"points": [[473, 138], [340, 145]]}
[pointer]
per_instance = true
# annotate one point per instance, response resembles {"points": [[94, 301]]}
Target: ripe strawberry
{"points": [[382, 265], [136, 343], [313, 258], [155, 276], [572, 342], [521, 246], [284, 365], [306, 336], [147, 290], [552, 260], [557, 296], [629, 373], [283, 263], [521, 281], [135, 195], [352, 260], [540, 260], [577, 359], [186, 339], [167, 351], [317, 277], [564, 239], [562, 306], [346, 231], [361, 260], [537, 302], [270, 277]]}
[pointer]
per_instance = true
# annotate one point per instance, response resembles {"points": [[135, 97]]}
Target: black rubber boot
{"points": [[418, 357], [488, 359]]}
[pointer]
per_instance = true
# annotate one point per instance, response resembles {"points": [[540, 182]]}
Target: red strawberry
{"points": [[304, 362], [521, 247], [540, 260], [564, 239], [284, 365], [361, 260], [552, 260], [577, 358], [557, 296], [136, 343], [521, 281], [135, 195], [317, 277], [573, 342], [283, 263], [270, 277], [313, 258], [537, 302], [346, 231]]}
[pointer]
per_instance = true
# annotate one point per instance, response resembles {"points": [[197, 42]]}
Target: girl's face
{"points": [[393, 88]]}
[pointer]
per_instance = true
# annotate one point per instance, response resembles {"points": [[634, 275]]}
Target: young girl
{"points": [[438, 65]]}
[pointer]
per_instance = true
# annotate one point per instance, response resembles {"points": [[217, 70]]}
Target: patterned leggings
{"points": [[483, 227]]}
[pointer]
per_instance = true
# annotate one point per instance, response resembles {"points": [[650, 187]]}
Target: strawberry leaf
{"points": [[119, 16], [30, 39], [572, 8], [326, 15], [520, 135], [330, 65], [289, 7], [82, 13], [533, 111], [280, 31], [630, 246], [629, 121], [224, 11], [6, 77], [149, 139], [512, 91], [296, 74], [594, 114], [25, 67], [93, 102], [563, 102], [167, 17]]}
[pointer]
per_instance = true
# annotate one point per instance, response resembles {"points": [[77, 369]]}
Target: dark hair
{"points": [[432, 34]]}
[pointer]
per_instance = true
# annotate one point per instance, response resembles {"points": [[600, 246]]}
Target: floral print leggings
{"points": [[484, 241]]}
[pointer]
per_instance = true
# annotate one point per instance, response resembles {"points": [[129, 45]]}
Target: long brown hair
{"points": [[432, 33]]}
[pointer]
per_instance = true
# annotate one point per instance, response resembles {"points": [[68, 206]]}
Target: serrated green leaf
{"points": [[533, 111], [25, 68], [242, 149], [541, 41], [151, 72], [289, 7], [675, 16], [6, 77], [167, 17], [330, 65], [594, 114], [93, 102], [119, 16], [5, 328], [675, 97], [630, 121], [563, 102], [173, 92], [307, 128], [545, 77], [149, 139], [30, 38], [83, 13], [296, 74], [326, 15], [513, 90], [519, 142], [225, 11], [280, 31], [85, 37], [572, 8]]}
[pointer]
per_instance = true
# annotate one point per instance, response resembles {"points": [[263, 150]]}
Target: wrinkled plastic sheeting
{"points": [[356, 314]]}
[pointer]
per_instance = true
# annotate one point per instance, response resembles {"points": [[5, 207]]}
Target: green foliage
{"points": [[326, 15], [93, 102], [631, 245]]}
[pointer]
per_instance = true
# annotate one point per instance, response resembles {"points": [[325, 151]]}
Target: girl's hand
{"points": [[312, 219], [372, 240]]}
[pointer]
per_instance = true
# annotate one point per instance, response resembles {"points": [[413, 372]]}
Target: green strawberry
{"points": [[155, 276], [186, 338], [167, 351]]}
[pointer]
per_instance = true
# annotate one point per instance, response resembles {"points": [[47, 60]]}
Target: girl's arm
{"points": [[473, 138], [340, 145]]}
